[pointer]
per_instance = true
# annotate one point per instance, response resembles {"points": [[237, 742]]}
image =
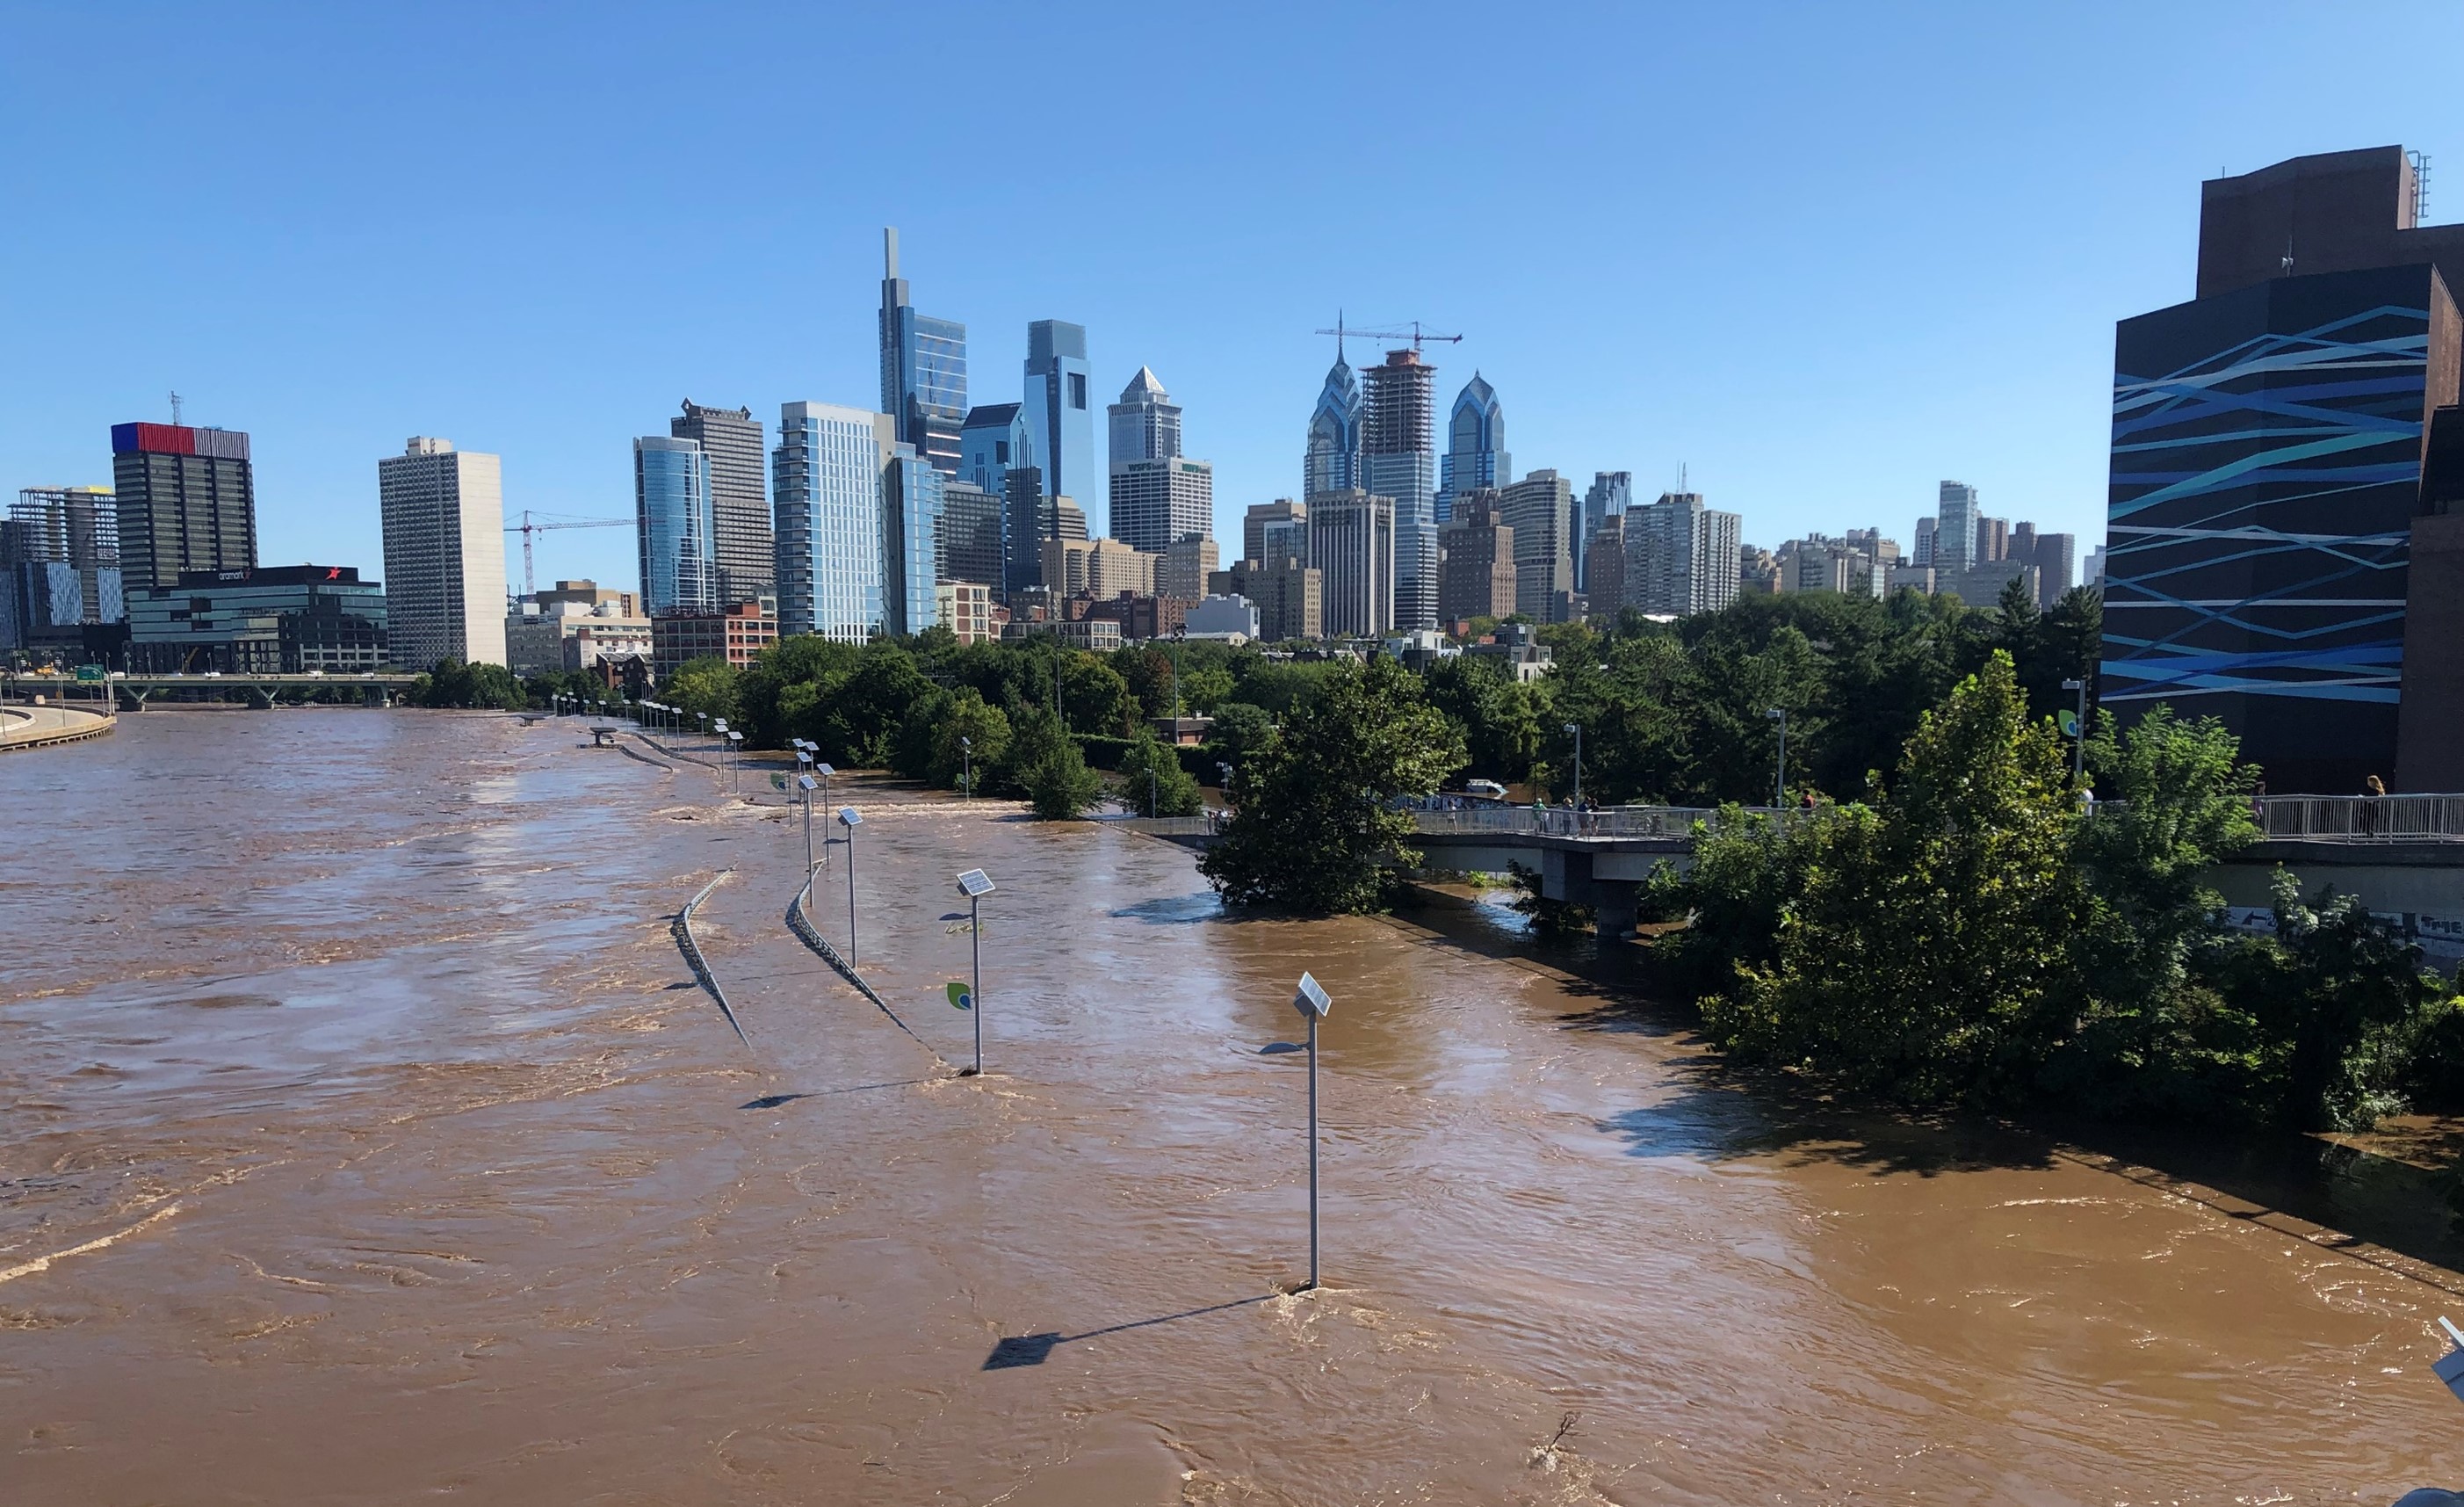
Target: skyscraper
{"points": [[672, 524], [825, 487], [1475, 446], [1351, 546], [1187, 563], [1680, 557], [2055, 556], [993, 439], [1028, 518], [970, 535], [443, 512], [1922, 553], [74, 526], [1604, 570], [739, 498], [1609, 494], [1954, 534], [914, 510], [1399, 463], [1157, 497], [923, 369], [1146, 422], [1540, 510], [1270, 530], [1058, 418], [1476, 560], [187, 502], [1332, 461]]}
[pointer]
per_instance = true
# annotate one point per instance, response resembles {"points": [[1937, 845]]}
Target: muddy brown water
{"points": [[367, 1140]]}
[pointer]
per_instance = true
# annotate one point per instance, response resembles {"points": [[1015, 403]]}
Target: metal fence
{"points": [[1557, 821], [2362, 818]]}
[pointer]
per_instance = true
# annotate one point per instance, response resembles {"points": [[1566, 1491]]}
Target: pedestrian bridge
{"points": [[131, 692], [2403, 855]]}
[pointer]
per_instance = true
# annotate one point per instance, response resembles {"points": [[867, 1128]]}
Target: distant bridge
{"points": [[2402, 854], [131, 692]]}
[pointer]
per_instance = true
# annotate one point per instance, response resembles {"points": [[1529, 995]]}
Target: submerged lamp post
{"points": [[806, 783], [850, 819], [1780, 788], [1312, 1001], [967, 752], [975, 884], [736, 770]]}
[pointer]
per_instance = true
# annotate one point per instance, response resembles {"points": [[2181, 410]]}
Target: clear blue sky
{"points": [[1823, 256]]}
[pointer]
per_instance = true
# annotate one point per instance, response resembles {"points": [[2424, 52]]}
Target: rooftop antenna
{"points": [[2420, 186], [175, 410]]}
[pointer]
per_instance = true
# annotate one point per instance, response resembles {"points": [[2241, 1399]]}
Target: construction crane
{"points": [[1415, 334], [541, 524]]}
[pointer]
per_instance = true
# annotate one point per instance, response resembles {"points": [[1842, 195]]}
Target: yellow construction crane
{"points": [[541, 524]]}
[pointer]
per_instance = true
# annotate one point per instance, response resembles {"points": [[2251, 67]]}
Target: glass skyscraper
{"points": [[1399, 463], [923, 369], [1475, 456], [825, 489], [910, 540], [1059, 419], [1611, 494], [1332, 462], [673, 523]]}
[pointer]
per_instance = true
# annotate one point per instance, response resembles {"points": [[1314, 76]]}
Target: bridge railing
{"points": [[1613, 821], [2362, 818]]}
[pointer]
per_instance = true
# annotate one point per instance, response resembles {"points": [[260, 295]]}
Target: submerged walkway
{"points": [[45, 726]]}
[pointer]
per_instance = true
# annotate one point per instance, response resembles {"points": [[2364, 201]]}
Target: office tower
{"points": [[1476, 560], [1059, 422], [739, 497], [2055, 556], [186, 501], [1288, 594], [1351, 546], [1475, 446], [825, 488], [913, 504], [673, 526], [2095, 567], [1157, 501], [1280, 527], [1992, 540], [1680, 557], [1187, 562], [992, 440], [923, 369], [1604, 568], [1028, 518], [1609, 494], [2023, 542], [970, 535], [78, 528], [1146, 422], [1954, 534], [1923, 554], [2270, 505], [443, 512], [277, 620], [1540, 509], [1397, 462], [1333, 460]]}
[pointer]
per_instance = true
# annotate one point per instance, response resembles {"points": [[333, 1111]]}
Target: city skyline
{"points": [[258, 299]]}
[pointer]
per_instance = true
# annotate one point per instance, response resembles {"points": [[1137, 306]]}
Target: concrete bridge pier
{"points": [[129, 698], [1610, 884]]}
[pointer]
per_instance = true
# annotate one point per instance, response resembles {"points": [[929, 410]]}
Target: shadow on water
{"points": [[775, 1100], [1036, 1348], [1175, 910]]}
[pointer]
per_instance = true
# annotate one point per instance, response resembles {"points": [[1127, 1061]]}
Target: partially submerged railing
{"points": [[681, 929]]}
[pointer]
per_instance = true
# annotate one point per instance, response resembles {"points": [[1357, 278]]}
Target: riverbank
{"points": [[423, 1107], [47, 726]]}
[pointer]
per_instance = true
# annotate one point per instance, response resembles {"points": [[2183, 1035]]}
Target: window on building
{"points": [[1077, 390]]}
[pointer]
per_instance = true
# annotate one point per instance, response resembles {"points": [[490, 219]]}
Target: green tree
{"points": [[970, 718], [1498, 716], [706, 686], [1172, 791], [456, 684], [1059, 785], [1922, 946], [1240, 731], [1315, 818]]}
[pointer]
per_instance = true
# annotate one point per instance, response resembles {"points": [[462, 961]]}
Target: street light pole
{"points": [[850, 819], [967, 752], [1576, 729], [1312, 1001], [2079, 733], [1780, 788]]}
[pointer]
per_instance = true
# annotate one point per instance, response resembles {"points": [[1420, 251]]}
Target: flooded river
{"points": [[366, 1139]]}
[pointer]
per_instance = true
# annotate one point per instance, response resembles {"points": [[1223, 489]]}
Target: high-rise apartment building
{"points": [[1992, 540], [1680, 557], [1399, 463], [1288, 592], [1476, 560], [1028, 518], [2055, 556], [923, 369], [1540, 509], [1188, 562], [1270, 529], [1059, 420], [1476, 456], [1100, 568], [1609, 494], [1954, 534], [1923, 552], [1352, 547], [730, 439], [825, 487], [914, 507], [671, 525], [186, 501], [1332, 462], [443, 512], [77, 528]]}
